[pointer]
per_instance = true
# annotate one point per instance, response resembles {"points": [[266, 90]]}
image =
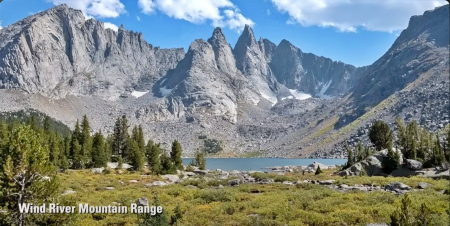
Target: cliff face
{"points": [[58, 52], [312, 74]]}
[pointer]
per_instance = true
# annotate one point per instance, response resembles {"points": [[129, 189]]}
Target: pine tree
{"points": [[136, 155], [153, 158], [177, 216], [140, 138], [85, 142], [447, 147], [360, 151], [380, 135], [159, 219], [401, 134], [115, 145], [175, 155], [124, 136], [54, 147], [47, 126], [24, 173], [350, 158], [167, 165], [318, 171], [200, 160], [392, 160], [99, 158], [75, 138]]}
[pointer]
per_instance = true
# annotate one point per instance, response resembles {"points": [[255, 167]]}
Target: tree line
{"points": [[414, 142], [32, 153]]}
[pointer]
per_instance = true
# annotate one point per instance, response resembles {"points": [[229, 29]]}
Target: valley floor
{"points": [[209, 201]]}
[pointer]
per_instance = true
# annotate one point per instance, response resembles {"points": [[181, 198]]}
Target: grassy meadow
{"points": [[252, 204]]}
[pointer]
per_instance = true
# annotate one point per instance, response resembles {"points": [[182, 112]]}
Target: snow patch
{"points": [[289, 97], [324, 89], [164, 91], [269, 98], [299, 95], [138, 94]]}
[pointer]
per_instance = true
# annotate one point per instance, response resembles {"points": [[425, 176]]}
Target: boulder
{"points": [[132, 181], [171, 178], [423, 185], [142, 201], [397, 185], [201, 172], [326, 182], [413, 164], [288, 183], [234, 182], [445, 166], [372, 164], [109, 188], [97, 170], [266, 181], [157, 183]]}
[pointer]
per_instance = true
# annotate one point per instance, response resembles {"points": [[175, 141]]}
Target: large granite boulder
{"points": [[413, 164], [372, 165]]}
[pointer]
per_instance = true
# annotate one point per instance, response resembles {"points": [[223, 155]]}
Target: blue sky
{"points": [[353, 31]]}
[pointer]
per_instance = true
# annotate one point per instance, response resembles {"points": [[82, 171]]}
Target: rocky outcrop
{"points": [[372, 165], [421, 48], [413, 164], [77, 56]]}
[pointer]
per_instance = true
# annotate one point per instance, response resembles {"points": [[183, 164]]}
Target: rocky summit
{"points": [[257, 98]]}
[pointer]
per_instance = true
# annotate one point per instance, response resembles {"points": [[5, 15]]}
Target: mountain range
{"points": [[256, 98]]}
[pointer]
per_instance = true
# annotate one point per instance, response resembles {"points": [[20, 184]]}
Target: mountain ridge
{"points": [[257, 96]]}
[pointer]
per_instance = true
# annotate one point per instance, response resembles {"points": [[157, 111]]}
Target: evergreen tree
{"points": [[175, 155], [391, 161], [360, 151], [167, 165], [447, 147], [153, 158], [157, 220], [380, 135], [99, 158], [318, 171], [401, 134], [200, 160], [85, 142], [54, 148], [75, 139], [140, 138], [350, 156], [177, 216], [47, 124], [403, 216], [136, 155], [124, 136], [115, 145], [26, 175]]}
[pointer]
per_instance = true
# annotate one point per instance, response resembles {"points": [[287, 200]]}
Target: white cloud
{"points": [[349, 15], [268, 12], [147, 6], [138, 18], [95, 8], [221, 13], [111, 26], [1, 25]]}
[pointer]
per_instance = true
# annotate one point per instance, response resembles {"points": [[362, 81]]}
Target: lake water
{"points": [[260, 164]]}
